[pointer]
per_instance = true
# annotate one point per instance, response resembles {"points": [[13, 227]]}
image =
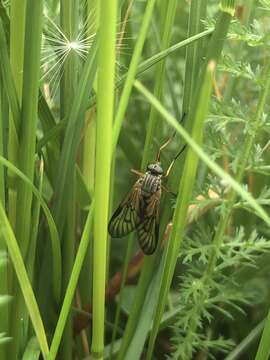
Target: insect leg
{"points": [[137, 172], [168, 191], [172, 163], [168, 141]]}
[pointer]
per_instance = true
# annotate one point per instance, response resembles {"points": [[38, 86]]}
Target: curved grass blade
{"points": [[56, 249], [24, 282], [203, 155]]}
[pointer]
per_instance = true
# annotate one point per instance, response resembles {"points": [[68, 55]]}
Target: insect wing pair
{"points": [[140, 211]]}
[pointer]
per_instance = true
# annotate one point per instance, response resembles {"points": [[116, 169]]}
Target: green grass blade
{"points": [[74, 277], [29, 118], [16, 28], [26, 155], [242, 347], [264, 346], [4, 315], [56, 249], [182, 202], [69, 11], [24, 282], [8, 81], [155, 59], [105, 110], [72, 137], [32, 351], [203, 156]]}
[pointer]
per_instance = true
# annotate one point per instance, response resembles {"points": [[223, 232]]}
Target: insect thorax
{"points": [[150, 183]]}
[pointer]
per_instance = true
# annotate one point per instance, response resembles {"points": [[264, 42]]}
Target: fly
{"points": [[140, 209]]}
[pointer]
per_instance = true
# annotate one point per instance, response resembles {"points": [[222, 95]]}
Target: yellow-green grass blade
{"points": [[264, 346], [56, 249], [74, 277], [203, 155], [103, 158], [8, 81], [29, 297]]}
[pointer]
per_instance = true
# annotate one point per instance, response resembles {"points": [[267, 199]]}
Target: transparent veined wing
{"points": [[128, 215], [148, 229]]}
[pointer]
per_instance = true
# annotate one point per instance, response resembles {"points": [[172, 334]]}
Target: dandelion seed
{"points": [[57, 47]]}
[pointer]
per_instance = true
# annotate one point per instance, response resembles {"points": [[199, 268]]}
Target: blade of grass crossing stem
{"points": [[168, 10], [264, 346], [26, 156], [204, 156], [132, 71], [182, 202], [29, 297], [72, 284], [105, 104]]}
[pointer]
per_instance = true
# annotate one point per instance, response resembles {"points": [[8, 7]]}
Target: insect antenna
{"points": [[172, 163], [167, 142]]}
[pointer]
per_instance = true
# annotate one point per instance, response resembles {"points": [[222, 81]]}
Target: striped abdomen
{"points": [[150, 184]]}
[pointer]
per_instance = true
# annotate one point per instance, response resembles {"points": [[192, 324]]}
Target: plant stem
{"points": [[17, 31], [4, 315], [72, 285], [105, 95], [68, 14], [27, 151], [197, 13]]}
